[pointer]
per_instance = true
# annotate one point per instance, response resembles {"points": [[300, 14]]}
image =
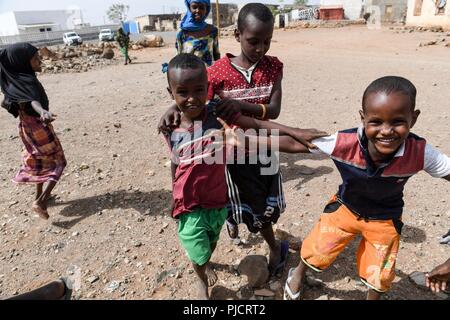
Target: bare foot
{"points": [[40, 210], [211, 275], [202, 291]]}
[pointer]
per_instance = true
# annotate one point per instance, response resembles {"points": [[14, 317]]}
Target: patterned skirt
{"points": [[43, 156]]}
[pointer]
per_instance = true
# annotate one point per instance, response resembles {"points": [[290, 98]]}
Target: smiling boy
{"points": [[199, 186], [375, 162]]}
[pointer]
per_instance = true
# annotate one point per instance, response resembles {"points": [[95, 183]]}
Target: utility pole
{"points": [[218, 17]]}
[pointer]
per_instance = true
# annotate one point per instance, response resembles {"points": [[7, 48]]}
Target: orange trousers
{"points": [[377, 250]]}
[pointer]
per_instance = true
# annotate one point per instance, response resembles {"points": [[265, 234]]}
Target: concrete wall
{"points": [[54, 37], [62, 19], [428, 17], [398, 7], [142, 22], [8, 25], [163, 22], [167, 25], [228, 14]]}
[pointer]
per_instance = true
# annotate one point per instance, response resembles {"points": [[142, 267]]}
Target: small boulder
{"points": [[256, 269], [108, 53]]}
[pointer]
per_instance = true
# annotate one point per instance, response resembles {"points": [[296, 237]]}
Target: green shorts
{"points": [[198, 230]]}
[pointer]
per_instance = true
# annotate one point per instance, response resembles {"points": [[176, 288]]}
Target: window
{"points": [[49, 29], [418, 8], [388, 12], [42, 30], [440, 6], [388, 9]]}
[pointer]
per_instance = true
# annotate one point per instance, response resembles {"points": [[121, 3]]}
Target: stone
{"points": [[154, 41], [83, 167], [324, 297], [92, 279], [46, 53], [74, 234], [108, 54], [264, 293], [305, 170], [256, 269], [275, 286], [294, 242], [313, 282], [112, 286]]}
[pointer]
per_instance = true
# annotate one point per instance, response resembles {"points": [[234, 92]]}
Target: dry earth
{"points": [[110, 223]]}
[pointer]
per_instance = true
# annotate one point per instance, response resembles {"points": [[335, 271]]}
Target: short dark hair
{"points": [[391, 84], [185, 61], [257, 10]]}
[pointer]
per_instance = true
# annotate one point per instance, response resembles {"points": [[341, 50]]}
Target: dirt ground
{"points": [[110, 223]]}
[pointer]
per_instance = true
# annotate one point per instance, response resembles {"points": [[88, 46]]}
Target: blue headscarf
{"points": [[188, 23]]}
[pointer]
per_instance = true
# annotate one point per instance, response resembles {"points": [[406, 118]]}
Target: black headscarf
{"points": [[18, 81]]}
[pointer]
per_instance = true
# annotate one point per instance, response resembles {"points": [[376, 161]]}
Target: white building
{"points": [[428, 13], [26, 22]]}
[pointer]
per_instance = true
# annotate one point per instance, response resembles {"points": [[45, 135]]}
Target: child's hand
{"points": [[437, 279], [230, 136], [226, 108], [304, 136], [47, 116], [169, 119]]}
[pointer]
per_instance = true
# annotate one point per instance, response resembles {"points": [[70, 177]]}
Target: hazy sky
{"points": [[94, 10]]}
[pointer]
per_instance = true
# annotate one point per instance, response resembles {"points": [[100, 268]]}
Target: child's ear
{"points": [[361, 113], [415, 116], [237, 35]]}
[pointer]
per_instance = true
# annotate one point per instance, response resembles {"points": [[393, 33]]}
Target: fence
{"points": [[54, 37]]}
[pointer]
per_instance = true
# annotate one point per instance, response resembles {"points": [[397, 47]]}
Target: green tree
{"points": [[118, 12], [300, 3]]}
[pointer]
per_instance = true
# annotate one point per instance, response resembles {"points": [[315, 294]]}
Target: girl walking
{"points": [[43, 159]]}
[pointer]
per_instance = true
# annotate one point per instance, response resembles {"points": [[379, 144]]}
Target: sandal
{"points": [[288, 294], [284, 247], [230, 228], [445, 238]]}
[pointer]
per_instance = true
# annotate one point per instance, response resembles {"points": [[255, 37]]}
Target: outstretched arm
{"points": [[304, 136], [236, 137], [285, 144]]}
